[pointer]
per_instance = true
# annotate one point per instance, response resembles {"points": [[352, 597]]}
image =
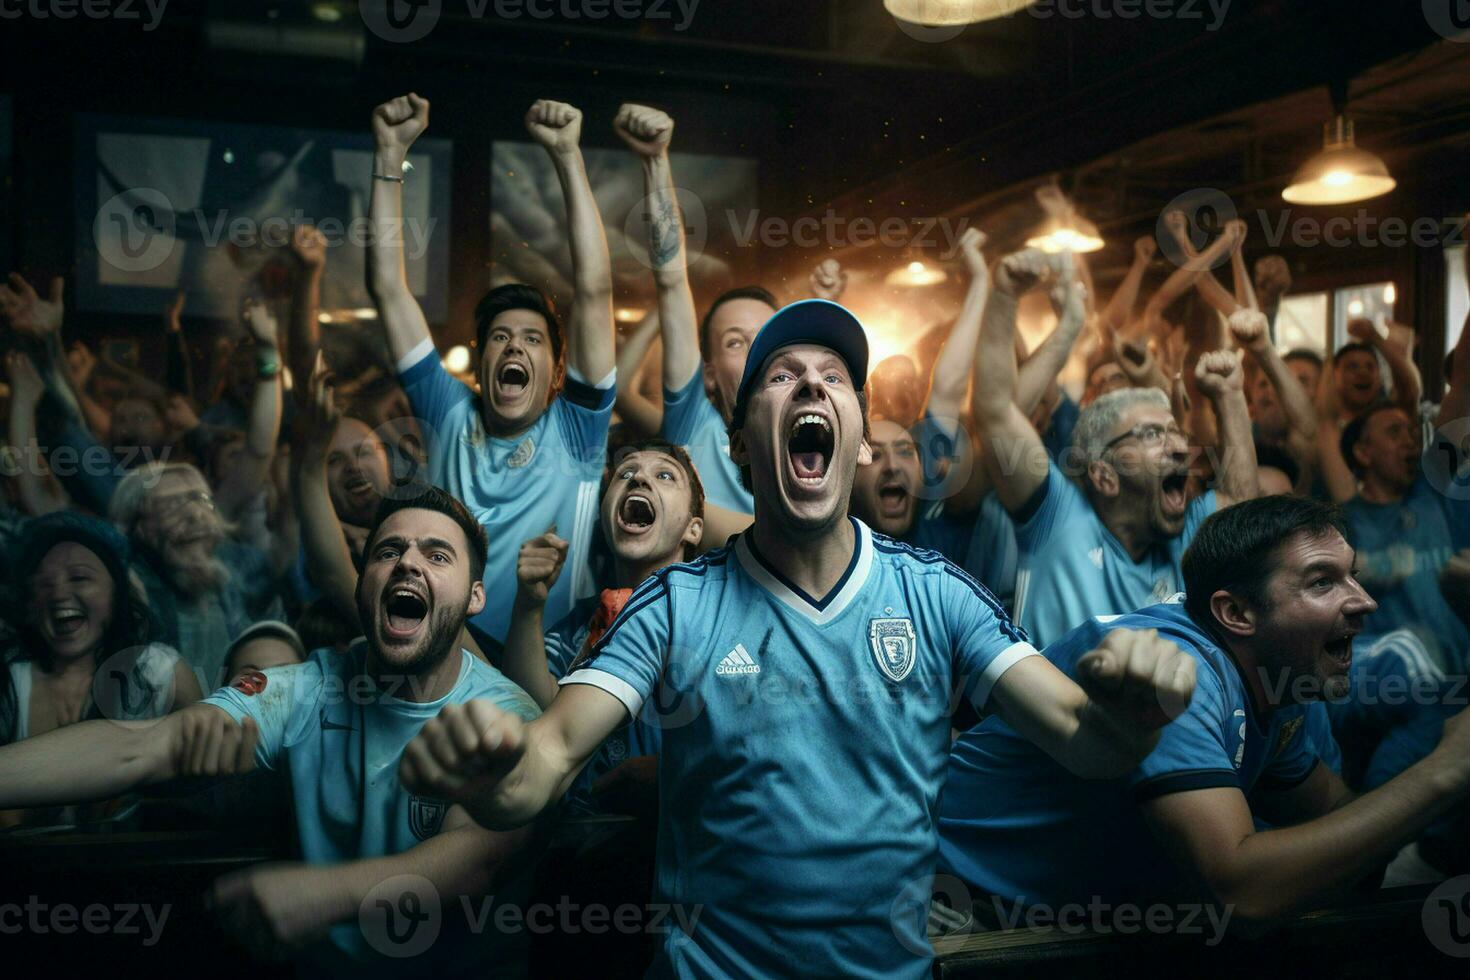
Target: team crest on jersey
{"points": [[1287, 731], [894, 646], [522, 455], [426, 816]]}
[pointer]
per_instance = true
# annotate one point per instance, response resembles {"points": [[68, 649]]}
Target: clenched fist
{"points": [[1139, 680], [647, 132], [555, 125], [828, 281], [398, 122], [211, 743], [971, 242], [1249, 328], [538, 567], [1020, 272], [1218, 373], [462, 752]]}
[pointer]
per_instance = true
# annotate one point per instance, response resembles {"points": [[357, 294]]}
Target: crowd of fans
{"points": [[434, 615]]}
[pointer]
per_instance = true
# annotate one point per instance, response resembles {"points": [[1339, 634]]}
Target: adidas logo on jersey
{"points": [[737, 661], [1096, 555]]}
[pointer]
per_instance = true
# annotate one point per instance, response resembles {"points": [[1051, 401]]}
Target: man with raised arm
{"points": [[702, 360], [809, 666], [1112, 544], [528, 452], [1272, 608], [337, 725]]}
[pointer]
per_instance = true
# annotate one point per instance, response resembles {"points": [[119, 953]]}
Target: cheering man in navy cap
{"points": [[802, 679]]}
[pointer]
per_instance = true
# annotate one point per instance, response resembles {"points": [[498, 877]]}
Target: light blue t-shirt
{"points": [[691, 421], [1401, 548], [340, 740], [1072, 567], [803, 747], [564, 641], [983, 543], [517, 488], [1013, 822]]}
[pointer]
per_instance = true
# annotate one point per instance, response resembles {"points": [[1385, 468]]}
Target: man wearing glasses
{"points": [[1110, 541], [204, 587]]}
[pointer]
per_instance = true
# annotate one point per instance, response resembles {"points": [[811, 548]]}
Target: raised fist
{"points": [[971, 242], [555, 125], [398, 122], [1140, 680], [29, 312], [647, 131], [828, 281], [1250, 331], [538, 567], [1218, 372], [1144, 248], [1020, 272]]}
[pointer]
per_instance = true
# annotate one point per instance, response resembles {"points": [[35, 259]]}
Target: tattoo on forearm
{"points": [[663, 230]]}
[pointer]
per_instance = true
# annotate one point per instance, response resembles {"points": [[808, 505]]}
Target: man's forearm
{"points": [[952, 368], [403, 319], [1406, 383], [1301, 414], [91, 760], [590, 334], [1277, 872], [524, 661], [1046, 362], [328, 558], [666, 251], [539, 778], [304, 327], [995, 359], [1235, 474]]}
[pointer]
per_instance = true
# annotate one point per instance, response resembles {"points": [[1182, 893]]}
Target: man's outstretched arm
{"points": [[95, 760], [396, 124]]}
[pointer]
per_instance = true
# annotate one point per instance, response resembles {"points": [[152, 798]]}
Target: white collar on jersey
{"points": [[819, 611]]}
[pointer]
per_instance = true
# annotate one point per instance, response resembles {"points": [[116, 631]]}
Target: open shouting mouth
{"points": [[809, 447], [893, 497], [405, 609], [1172, 492], [1339, 649], [513, 379], [637, 513]]}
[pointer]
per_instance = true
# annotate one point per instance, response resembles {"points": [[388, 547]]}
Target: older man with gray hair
{"points": [[1109, 542], [205, 588]]}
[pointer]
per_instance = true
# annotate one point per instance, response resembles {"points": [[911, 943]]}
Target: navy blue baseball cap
{"points": [[809, 321]]}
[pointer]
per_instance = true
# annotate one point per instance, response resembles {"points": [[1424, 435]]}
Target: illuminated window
{"points": [[1457, 295], [1301, 322]]}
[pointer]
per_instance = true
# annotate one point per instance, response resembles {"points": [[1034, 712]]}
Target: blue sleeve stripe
{"points": [[1184, 781], [646, 595], [421, 370], [583, 395]]}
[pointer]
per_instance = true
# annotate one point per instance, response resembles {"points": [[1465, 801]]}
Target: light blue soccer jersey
{"points": [[1401, 548], [803, 747], [1013, 822], [340, 741], [691, 421], [1072, 567], [517, 488], [564, 641], [983, 543]]}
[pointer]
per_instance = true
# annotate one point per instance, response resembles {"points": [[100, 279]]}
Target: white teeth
{"points": [[638, 496], [809, 419]]}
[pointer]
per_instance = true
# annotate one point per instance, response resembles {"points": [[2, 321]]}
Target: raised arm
{"points": [[1265, 875], [1037, 372], [264, 424], [328, 558], [558, 128], [1342, 484], [636, 408], [1195, 268], [1017, 456], [1104, 723], [648, 133], [309, 246], [1221, 380], [1115, 316], [179, 373], [38, 493], [503, 770], [1250, 330], [828, 280], [956, 358], [524, 662], [396, 124], [1405, 376], [100, 759]]}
